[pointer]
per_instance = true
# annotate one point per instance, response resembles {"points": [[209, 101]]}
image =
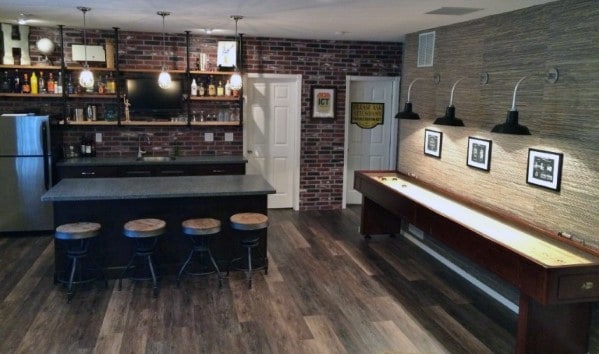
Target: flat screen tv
{"points": [[149, 99]]}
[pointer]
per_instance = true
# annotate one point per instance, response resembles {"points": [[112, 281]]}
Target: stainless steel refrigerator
{"points": [[25, 173]]}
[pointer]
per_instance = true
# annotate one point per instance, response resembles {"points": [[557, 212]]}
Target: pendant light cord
{"points": [[84, 10], [163, 14]]}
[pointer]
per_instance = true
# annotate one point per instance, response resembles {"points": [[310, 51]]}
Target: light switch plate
{"points": [[98, 137], [208, 137], [228, 136]]}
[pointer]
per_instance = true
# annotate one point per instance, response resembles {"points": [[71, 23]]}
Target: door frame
{"points": [[297, 126], [395, 81]]}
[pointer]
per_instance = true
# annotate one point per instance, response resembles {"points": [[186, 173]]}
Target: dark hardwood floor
{"points": [[327, 291]]}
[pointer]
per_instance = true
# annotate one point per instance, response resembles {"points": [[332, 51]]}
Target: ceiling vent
{"points": [[453, 11], [426, 49]]}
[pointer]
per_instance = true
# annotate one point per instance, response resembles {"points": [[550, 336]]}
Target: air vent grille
{"points": [[426, 49]]}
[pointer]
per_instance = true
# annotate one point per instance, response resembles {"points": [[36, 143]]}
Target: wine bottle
{"points": [[5, 85], [201, 90]]}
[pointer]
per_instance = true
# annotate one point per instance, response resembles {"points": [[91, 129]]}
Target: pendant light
{"points": [[511, 125], [449, 118], [86, 78], [236, 82], [407, 111], [164, 79]]}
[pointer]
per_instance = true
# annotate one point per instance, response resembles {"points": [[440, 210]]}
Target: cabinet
{"points": [[108, 105], [150, 170]]}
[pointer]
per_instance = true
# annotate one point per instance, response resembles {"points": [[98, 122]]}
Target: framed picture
{"points": [[479, 153], [323, 102], [544, 169], [226, 55], [433, 140]]}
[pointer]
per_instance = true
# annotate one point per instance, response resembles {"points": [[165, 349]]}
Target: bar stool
{"points": [[76, 237], [201, 231], [250, 226], [145, 232]]}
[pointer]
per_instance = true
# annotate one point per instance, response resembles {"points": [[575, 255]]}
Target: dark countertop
{"points": [[77, 189], [126, 161]]}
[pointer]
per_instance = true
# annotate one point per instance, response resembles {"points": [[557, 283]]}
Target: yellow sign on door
{"points": [[367, 115]]}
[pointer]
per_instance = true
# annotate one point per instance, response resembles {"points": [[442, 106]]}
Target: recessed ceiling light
{"points": [[454, 11]]}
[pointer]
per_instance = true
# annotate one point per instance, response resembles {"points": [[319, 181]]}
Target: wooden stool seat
{"points": [[77, 230], [144, 228], [201, 226], [249, 221]]}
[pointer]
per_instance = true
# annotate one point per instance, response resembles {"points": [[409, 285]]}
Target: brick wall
{"points": [[319, 63]]}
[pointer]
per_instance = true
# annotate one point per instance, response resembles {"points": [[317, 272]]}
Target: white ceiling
{"points": [[368, 20]]}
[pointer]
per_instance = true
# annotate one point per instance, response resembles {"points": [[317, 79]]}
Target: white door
{"points": [[370, 149], [272, 128]]}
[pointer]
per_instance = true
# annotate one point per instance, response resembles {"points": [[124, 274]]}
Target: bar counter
{"points": [[114, 201]]}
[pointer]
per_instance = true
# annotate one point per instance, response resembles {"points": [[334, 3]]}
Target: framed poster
{"points": [[479, 153], [544, 169], [226, 55], [323, 102], [433, 140]]}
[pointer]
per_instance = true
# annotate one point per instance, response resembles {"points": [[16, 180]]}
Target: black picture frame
{"points": [[433, 143], [544, 169], [323, 100], [479, 153]]}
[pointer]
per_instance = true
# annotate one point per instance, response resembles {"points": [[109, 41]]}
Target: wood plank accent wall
{"points": [[562, 117]]}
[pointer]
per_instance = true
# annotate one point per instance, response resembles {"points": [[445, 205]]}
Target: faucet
{"points": [[140, 151]]}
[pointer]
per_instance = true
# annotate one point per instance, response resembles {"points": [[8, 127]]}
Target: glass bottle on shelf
{"points": [[220, 90], [70, 86], [34, 86], [26, 87], [16, 88], [194, 87], [201, 89], [50, 84], [59, 84], [110, 84], [228, 88], [5, 84], [41, 83], [211, 88]]}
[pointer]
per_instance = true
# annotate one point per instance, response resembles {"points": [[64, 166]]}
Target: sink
{"points": [[155, 158]]}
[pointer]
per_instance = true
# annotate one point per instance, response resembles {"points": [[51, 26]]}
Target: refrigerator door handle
{"points": [[44, 133]]}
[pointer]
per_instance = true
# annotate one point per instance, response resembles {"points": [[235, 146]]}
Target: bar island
{"points": [[114, 201]]}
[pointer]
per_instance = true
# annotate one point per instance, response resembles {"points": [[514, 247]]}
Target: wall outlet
{"points": [[228, 136], [208, 137], [98, 137]]}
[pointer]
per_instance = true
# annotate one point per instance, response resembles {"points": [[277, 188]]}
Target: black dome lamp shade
{"points": [[407, 111], [511, 125], [449, 117]]}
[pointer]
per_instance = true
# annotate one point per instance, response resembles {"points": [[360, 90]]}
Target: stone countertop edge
{"points": [[122, 161], [85, 189]]}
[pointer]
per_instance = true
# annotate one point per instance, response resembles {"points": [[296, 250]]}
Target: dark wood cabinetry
{"points": [[150, 170]]}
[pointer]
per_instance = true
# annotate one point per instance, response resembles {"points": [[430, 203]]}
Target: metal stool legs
{"points": [[145, 251]]}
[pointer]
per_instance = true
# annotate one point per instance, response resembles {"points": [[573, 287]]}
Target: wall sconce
{"points": [[511, 125], [449, 118], [407, 111]]}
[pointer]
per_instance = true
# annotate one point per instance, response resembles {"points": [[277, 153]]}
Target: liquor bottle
{"points": [[59, 84], [5, 85], [41, 83], [201, 90], [34, 86], [228, 88], [211, 88], [220, 90], [25, 87], [70, 86], [194, 88], [16, 88], [101, 85], [110, 84], [50, 84]]}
